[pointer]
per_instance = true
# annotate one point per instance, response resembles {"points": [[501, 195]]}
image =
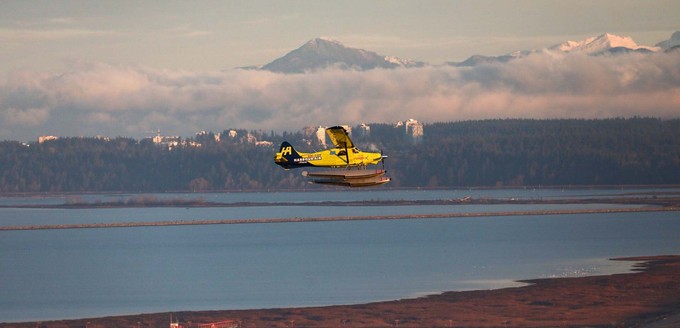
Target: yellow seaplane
{"points": [[349, 163]]}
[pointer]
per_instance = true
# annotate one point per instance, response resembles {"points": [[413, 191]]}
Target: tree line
{"points": [[510, 152]]}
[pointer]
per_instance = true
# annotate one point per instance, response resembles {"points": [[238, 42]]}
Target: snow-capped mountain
{"points": [[322, 53], [604, 44], [601, 44]]}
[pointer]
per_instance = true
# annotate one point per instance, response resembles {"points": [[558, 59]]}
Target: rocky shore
{"points": [[647, 297]]}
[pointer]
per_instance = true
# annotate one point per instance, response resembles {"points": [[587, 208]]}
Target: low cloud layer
{"points": [[100, 99]]}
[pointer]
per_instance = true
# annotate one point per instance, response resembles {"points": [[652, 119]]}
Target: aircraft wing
{"points": [[339, 137]]}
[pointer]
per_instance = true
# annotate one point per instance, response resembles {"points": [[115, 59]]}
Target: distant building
{"points": [[315, 134], [42, 139], [364, 130], [192, 144], [414, 128], [204, 133], [318, 134], [348, 129], [264, 144], [321, 135], [173, 141], [250, 138]]}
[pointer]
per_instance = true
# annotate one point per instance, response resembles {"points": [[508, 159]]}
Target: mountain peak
{"points": [[323, 39], [614, 41], [323, 52], [600, 44]]}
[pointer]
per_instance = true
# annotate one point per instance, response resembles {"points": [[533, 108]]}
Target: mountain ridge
{"points": [[600, 44], [603, 44], [323, 53]]}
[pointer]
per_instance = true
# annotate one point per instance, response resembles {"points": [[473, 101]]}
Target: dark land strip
{"points": [[646, 204], [335, 218]]}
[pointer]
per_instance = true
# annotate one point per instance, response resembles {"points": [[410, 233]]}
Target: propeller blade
{"points": [[382, 159]]}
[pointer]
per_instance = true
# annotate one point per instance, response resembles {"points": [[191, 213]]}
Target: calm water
{"points": [[56, 274]]}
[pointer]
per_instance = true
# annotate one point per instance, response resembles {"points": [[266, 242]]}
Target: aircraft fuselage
{"points": [[289, 158]]}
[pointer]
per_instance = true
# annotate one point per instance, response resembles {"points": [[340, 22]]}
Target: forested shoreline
{"points": [[509, 152]]}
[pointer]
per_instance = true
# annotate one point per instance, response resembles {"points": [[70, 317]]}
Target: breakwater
{"points": [[335, 218]]}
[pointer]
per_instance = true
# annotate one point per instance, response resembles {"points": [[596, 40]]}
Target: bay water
{"points": [[59, 274]]}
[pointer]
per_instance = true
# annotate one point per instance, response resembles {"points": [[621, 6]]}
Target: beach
{"points": [[649, 296]]}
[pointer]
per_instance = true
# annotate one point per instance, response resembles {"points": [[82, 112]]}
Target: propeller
{"points": [[382, 159]]}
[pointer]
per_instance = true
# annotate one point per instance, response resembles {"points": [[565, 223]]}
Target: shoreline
{"points": [[643, 204], [649, 294]]}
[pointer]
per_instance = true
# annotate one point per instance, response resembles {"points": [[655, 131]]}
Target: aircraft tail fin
{"points": [[287, 156]]}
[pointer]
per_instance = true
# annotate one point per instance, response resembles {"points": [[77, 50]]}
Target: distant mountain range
{"points": [[323, 53], [604, 44], [601, 44]]}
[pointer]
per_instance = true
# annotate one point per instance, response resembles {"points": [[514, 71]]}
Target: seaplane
{"points": [[348, 164]]}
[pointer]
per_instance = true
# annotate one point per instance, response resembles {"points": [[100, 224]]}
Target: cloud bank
{"points": [[99, 99]]}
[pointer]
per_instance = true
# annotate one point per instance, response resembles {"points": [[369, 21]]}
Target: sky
{"points": [[71, 68]]}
